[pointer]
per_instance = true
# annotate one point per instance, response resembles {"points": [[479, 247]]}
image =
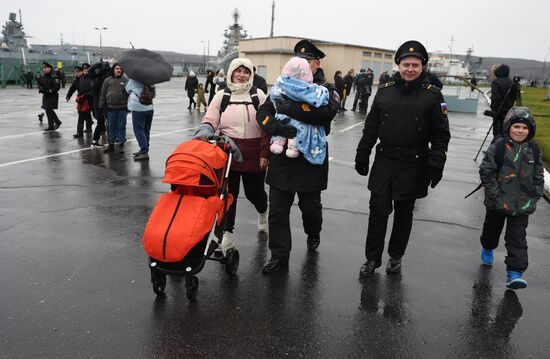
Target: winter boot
{"points": [[263, 221], [121, 148], [515, 281], [487, 256], [227, 242]]}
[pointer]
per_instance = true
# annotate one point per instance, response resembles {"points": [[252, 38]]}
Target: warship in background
{"points": [[17, 57], [233, 35]]}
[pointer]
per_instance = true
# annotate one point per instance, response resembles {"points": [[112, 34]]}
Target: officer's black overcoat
{"points": [[49, 85], [410, 120]]}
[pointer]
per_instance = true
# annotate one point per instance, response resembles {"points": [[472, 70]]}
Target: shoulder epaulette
{"points": [[387, 84], [431, 87]]}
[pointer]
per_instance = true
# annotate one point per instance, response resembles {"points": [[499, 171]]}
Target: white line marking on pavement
{"points": [[85, 149], [351, 127], [34, 133]]}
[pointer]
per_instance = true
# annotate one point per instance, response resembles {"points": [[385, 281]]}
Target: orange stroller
{"points": [[176, 237]]}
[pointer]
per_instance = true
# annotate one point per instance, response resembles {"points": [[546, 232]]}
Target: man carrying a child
{"points": [[290, 172]]}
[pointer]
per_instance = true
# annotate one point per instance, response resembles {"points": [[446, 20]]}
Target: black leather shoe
{"points": [[367, 269], [56, 126], [110, 148], [48, 129], [394, 266], [274, 265], [313, 243], [78, 135], [88, 130]]}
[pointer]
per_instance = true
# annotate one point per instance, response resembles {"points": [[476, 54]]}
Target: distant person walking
{"points": [[260, 82], [384, 78], [48, 86], [209, 86], [114, 100], [361, 84], [191, 84], [82, 84], [140, 102], [340, 87], [28, 79], [201, 99], [61, 76], [348, 86], [503, 96], [220, 80]]}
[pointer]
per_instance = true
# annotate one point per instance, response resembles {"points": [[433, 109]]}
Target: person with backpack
{"points": [[113, 101], [503, 95], [232, 112], [512, 174], [140, 102]]}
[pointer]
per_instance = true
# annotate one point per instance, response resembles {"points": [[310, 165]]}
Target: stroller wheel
{"points": [[232, 261], [159, 283], [192, 288]]}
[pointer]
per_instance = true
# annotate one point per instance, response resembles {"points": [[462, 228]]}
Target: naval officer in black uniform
{"points": [[409, 117], [290, 176]]}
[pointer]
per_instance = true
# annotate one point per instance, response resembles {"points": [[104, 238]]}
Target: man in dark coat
{"points": [[191, 84], [503, 95], [259, 82], [348, 85], [364, 104], [361, 83], [82, 84], [409, 117], [290, 176], [61, 76], [209, 85], [98, 73], [384, 77], [48, 86], [28, 79]]}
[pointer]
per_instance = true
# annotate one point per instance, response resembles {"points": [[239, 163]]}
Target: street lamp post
{"points": [[100, 41]]}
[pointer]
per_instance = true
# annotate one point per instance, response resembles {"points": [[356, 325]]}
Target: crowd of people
{"points": [[286, 147]]}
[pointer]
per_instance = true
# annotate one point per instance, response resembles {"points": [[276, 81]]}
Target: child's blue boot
{"points": [[487, 256], [515, 281]]}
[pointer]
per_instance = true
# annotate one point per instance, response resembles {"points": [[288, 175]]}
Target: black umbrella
{"points": [[146, 66]]}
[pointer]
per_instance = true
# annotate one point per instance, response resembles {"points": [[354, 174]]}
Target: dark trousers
{"points": [[141, 121], [52, 118], [29, 84], [211, 95], [84, 117], [191, 101], [515, 238], [380, 208], [280, 202], [254, 190], [358, 95], [99, 128]]}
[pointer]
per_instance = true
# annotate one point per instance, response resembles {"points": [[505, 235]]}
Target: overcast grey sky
{"points": [[505, 28]]}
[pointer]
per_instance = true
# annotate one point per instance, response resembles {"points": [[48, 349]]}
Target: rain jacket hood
{"points": [[520, 115], [237, 87], [502, 71]]}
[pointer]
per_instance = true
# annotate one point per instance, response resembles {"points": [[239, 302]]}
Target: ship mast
{"points": [[451, 47], [272, 17], [20, 19]]}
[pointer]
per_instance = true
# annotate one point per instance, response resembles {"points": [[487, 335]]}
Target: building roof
{"points": [[317, 42]]}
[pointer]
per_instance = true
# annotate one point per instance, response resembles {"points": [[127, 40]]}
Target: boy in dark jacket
{"points": [[514, 180]]}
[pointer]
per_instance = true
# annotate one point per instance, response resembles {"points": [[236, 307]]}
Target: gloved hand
{"points": [[285, 130], [434, 176], [362, 168], [283, 106]]}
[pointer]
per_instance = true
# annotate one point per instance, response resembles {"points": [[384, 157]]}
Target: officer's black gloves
{"points": [[284, 106], [362, 168], [434, 176], [275, 127]]}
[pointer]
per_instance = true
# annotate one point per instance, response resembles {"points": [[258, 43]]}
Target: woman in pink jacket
{"points": [[238, 122]]}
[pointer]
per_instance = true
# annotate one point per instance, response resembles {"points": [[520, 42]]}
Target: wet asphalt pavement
{"points": [[74, 281]]}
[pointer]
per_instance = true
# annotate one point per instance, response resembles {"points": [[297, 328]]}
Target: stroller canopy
{"points": [[196, 163]]}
